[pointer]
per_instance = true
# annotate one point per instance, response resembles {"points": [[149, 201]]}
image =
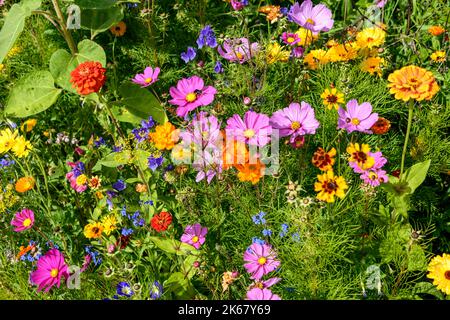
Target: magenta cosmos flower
{"points": [[261, 294], [23, 220], [147, 78], [254, 129], [190, 94], [314, 18], [50, 269], [238, 50], [260, 260], [290, 38], [357, 117], [194, 235], [295, 120]]}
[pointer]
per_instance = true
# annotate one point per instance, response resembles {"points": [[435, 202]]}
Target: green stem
{"points": [[66, 33], [408, 130]]}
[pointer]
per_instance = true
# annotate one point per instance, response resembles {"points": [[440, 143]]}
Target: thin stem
{"points": [[408, 130], [66, 33]]}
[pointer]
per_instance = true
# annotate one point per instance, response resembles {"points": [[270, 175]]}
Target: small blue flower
{"points": [[259, 218], [117, 148], [258, 241], [296, 237], [150, 123], [127, 232], [267, 232], [284, 11], [124, 289], [207, 37], [140, 134], [119, 185], [189, 55], [99, 142], [284, 230], [123, 211], [156, 290], [154, 163], [218, 68]]}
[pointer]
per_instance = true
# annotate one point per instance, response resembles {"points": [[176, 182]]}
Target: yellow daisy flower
{"points": [[372, 65], [439, 271], [370, 37], [109, 224], [274, 53], [359, 154], [21, 147], [7, 140], [93, 230], [329, 186], [306, 37], [332, 98], [342, 52], [315, 58], [438, 56]]}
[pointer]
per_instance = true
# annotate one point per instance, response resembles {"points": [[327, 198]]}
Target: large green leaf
{"points": [[417, 174], [113, 160], [173, 246], [14, 24], [32, 94], [180, 286], [95, 4], [63, 63], [123, 115], [141, 102], [99, 20]]}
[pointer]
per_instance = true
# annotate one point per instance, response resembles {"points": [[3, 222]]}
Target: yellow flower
{"points": [[14, 50], [315, 58], [329, 186], [93, 230], [342, 52], [412, 82], [21, 147], [359, 154], [306, 37], [2, 66], [7, 140], [274, 53], [109, 224], [165, 136], [81, 180], [370, 37], [438, 56], [332, 98], [28, 125], [372, 65], [439, 271], [99, 195]]}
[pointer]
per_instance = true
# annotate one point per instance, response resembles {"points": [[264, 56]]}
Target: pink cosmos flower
{"points": [[190, 94], [73, 182], [374, 177], [147, 78], [314, 18], [260, 260], [23, 220], [194, 235], [262, 294], [379, 162], [295, 120], [265, 284], [238, 4], [380, 3], [357, 117], [254, 129], [50, 268], [238, 50], [290, 38]]}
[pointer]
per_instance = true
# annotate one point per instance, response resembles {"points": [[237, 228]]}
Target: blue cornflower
{"points": [[123, 211], [119, 185], [258, 241], [284, 230], [124, 289], [99, 142], [284, 10], [156, 290], [267, 232], [94, 255], [4, 162], [117, 148], [150, 123], [154, 163], [189, 55], [126, 232], [140, 134], [218, 68], [259, 218], [207, 37]]}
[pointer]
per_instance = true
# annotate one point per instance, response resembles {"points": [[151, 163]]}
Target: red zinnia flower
{"points": [[160, 222], [88, 77]]}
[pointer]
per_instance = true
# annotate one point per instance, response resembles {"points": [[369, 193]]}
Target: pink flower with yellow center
{"points": [[290, 38], [315, 18], [50, 269], [23, 220], [261, 260], [357, 117], [147, 78], [194, 235], [254, 129]]}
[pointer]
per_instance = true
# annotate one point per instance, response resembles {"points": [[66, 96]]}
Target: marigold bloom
{"points": [[194, 235], [370, 37], [261, 260], [315, 58], [23, 220], [272, 12], [28, 125], [21, 147], [95, 182], [109, 224], [88, 77], [439, 271], [7, 140], [332, 98], [24, 184], [275, 53], [412, 82], [324, 160], [381, 126], [93, 230], [342, 52], [50, 269], [165, 136], [329, 186], [252, 172], [372, 65], [141, 187], [119, 29], [438, 56], [436, 30], [160, 222]]}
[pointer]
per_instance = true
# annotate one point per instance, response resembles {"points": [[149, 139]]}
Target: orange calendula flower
{"points": [[436, 30], [93, 230], [381, 126], [332, 98], [329, 185], [251, 172], [438, 56], [324, 160], [119, 29], [412, 82], [370, 37], [28, 125], [315, 58], [372, 65], [25, 184], [88, 77], [165, 136], [272, 12]]}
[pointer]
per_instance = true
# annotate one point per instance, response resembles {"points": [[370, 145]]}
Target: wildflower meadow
{"points": [[224, 150]]}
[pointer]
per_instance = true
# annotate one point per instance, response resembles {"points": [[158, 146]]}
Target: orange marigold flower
{"points": [[272, 12], [436, 30], [24, 184], [324, 160], [119, 29], [412, 82], [372, 65], [140, 187], [88, 77], [234, 153], [381, 126], [251, 172], [165, 136]]}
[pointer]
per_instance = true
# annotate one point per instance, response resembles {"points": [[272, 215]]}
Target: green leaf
{"points": [[141, 102], [122, 114], [416, 259], [417, 174], [14, 24], [62, 63], [141, 158], [32, 94], [173, 246], [95, 4], [428, 288], [180, 286], [99, 20], [113, 160]]}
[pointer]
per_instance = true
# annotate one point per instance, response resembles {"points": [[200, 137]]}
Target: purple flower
{"points": [[147, 78], [99, 142], [203, 132], [265, 284], [208, 163], [357, 117], [156, 290], [238, 50], [150, 123], [119, 185], [379, 162], [254, 129], [194, 235], [126, 232], [189, 55], [124, 289], [290, 38], [154, 163], [314, 18], [140, 134], [380, 3], [218, 68], [295, 120], [238, 5], [261, 294], [207, 38], [297, 52], [374, 177], [117, 148]]}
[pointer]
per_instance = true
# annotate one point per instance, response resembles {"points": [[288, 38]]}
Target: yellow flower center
{"points": [[310, 21], [148, 80], [295, 125], [249, 133], [194, 239], [191, 97], [373, 176], [26, 222], [54, 273], [369, 39], [239, 55], [355, 121], [262, 261], [81, 180], [290, 39]]}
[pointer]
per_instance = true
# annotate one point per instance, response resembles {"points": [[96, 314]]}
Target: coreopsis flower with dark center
{"points": [[382, 126], [323, 160], [88, 77]]}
